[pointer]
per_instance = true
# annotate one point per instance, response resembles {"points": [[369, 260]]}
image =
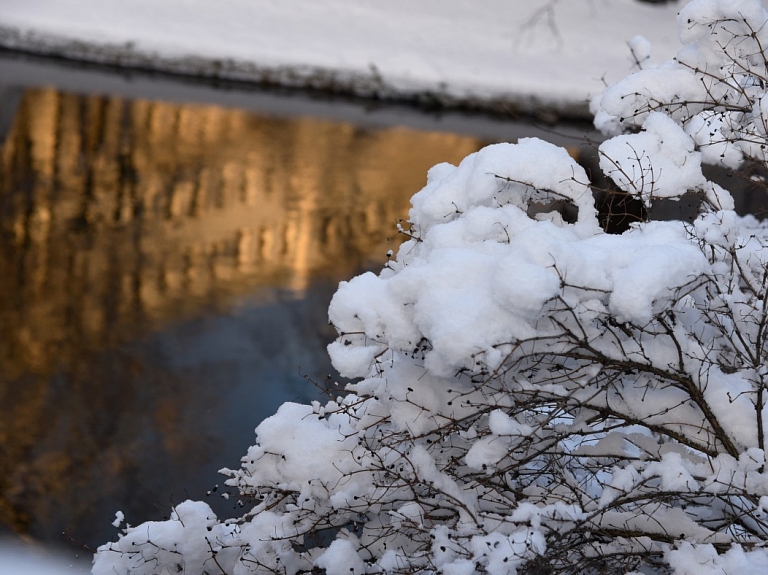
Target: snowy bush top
{"points": [[535, 395], [715, 89], [481, 268]]}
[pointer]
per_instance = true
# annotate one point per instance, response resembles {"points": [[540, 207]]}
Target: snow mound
{"points": [[489, 257]]}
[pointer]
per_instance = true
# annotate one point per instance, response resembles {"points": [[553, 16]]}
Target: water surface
{"points": [[166, 270]]}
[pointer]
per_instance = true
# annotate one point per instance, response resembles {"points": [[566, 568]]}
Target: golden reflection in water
{"points": [[119, 217]]}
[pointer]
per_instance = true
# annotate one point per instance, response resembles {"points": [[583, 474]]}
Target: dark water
{"points": [[166, 270]]}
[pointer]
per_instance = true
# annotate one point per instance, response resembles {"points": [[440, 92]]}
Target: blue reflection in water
{"points": [[217, 376]]}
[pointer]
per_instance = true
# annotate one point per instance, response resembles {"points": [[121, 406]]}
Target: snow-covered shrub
{"points": [[535, 395]]}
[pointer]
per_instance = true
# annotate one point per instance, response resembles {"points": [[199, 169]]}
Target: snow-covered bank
{"points": [[19, 71], [513, 54], [31, 559]]}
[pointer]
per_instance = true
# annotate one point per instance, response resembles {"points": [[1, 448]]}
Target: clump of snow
{"points": [[691, 559], [183, 543], [341, 558], [502, 424], [119, 518], [290, 438], [504, 174], [659, 162], [482, 271]]}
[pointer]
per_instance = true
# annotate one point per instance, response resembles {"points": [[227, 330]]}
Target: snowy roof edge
{"points": [[368, 84]]}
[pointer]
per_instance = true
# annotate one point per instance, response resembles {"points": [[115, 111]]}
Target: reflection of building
{"points": [[118, 212], [118, 217]]}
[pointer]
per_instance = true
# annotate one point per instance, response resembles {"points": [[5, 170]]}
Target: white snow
{"points": [[341, 558], [526, 51], [689, 559], [119, 518], [659, 162]]}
